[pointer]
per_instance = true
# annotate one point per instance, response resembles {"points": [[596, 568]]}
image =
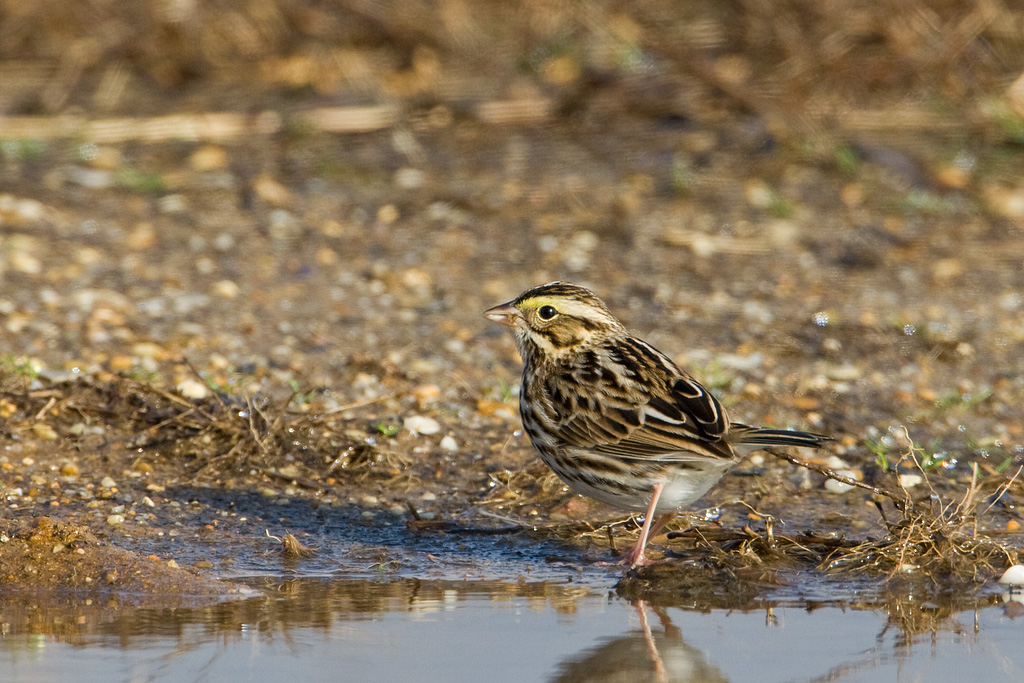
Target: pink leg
{"points": [[635, 556], [652, 647], [660, 523]]}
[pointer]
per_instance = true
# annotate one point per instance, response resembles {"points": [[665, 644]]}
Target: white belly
{"points": [[681, 489]]}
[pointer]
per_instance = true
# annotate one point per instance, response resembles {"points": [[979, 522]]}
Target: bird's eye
{"points": [[547, 312]]}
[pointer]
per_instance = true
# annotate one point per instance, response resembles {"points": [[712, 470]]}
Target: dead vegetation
{"points": [[933, 543], [933, 538], [292, 548], [208, 439]]}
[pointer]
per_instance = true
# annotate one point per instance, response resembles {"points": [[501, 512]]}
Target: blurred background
{"points": [[802, 65]]}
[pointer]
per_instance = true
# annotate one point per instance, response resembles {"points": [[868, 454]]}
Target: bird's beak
{"points": [[506, 314]]}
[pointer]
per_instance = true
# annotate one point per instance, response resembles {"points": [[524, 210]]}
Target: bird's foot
{"points": [[635, 558]]}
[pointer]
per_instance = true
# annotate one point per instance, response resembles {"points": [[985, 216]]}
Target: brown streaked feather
{"points": [[762, 436], [672, 418]]}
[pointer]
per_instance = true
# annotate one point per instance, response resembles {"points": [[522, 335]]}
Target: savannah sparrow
{"points": [[614, 417]]}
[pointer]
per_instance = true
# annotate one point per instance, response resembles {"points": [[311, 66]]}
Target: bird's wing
{"points": [[649, 410]]}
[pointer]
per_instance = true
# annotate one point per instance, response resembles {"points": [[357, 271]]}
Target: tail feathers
{"points": [[756, 436]]}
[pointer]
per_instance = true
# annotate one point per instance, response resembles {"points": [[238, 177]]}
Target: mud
{"points": [[211, 342]]}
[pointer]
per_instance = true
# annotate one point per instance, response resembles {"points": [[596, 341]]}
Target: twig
{"points": [[1001, 490], [900, 501], [160, 425], [306, 417], [199, 376], [299, 481], [45, 409]]}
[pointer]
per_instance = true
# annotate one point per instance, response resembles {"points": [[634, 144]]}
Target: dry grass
{"points": [[292, 548], [209, 439], [929, 538], [934, 543], [935, 538]]}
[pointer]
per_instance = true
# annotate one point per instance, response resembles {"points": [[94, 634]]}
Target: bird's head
{"points": [[556, 321]]}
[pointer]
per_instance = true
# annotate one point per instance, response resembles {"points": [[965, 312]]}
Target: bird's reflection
{"points": [[661, 656]]}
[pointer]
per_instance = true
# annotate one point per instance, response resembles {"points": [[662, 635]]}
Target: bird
{"points": [[615, 418]]}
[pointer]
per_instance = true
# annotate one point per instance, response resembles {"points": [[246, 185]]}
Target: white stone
{"points": [[1014, 576], [418, 424], [909, 481], [192, 388], [833, 486]]}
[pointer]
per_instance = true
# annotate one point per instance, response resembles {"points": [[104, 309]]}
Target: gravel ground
{"points": [[206, 343], [298, 321]]}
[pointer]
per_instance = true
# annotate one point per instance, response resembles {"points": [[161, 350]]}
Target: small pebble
{"points": [[836, 463], [736, 361], [108, 483], [1014, 576], [418, 424], [227, 289], [172, 203], [24, 262], [192, 388], [426, 393], [44, 431], [833, 486], [845, 372], [409, 178], [92, 179], [208, 158], [500, 409], [449, 444], [758, 194], [909, 481], [271, 191], [173, 565], [115, 520], [142, 236]]}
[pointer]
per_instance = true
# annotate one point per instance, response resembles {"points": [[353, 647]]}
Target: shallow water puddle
{"points": [[412, 630]]}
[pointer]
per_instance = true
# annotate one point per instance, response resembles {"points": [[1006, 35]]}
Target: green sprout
{"points": [[388, 429], [846, 159], [139, 180], [18, 366], [880, 451], [506, 390]]}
